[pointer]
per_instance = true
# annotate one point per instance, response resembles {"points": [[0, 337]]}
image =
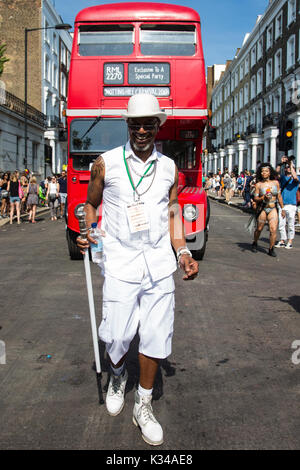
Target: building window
{"points": [[55, 77], [232, 83], [253, 87], [241, 98], [246, 93], [269, 37], [246, 65], [46, 32], [47, 68], [290, 52], [54, 45], [277, 102], [259, 81], [34, 156], [277, 64], [63, 90], [278, 26], [260, 46], [253, 56], [241, 72], [291, 11], [269, 72]]}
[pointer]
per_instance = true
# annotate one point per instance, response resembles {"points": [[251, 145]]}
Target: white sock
{"points": [[144, 391], [119, 370]]}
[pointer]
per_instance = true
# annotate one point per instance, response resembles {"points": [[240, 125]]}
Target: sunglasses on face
{"points": [[147, 127]]}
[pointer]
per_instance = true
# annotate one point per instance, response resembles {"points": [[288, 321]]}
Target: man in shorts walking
{"points": [[141, 221]]}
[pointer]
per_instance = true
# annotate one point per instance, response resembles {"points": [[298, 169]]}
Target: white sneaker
{"points": [[280, 244], [289, 246], [143, 417], [115, 393]]}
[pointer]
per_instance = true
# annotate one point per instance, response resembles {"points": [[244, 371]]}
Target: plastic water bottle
{"points": [[96, 248]]}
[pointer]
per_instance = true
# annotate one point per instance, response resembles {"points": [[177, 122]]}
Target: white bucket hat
{"points": [[144, 105]]}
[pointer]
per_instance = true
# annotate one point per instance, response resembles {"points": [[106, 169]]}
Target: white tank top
{"points": [[122, 249]]}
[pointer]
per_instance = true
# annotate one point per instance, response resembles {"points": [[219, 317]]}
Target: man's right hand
{"points": [[83, 244]]}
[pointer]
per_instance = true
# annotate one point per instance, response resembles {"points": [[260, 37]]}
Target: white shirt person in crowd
{"points": [[136, 182]]}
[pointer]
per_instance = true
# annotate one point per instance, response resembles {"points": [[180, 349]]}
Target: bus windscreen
{"points": [[103, 136]]}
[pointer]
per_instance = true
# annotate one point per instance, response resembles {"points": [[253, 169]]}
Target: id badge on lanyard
{"points": [[137, 217]]}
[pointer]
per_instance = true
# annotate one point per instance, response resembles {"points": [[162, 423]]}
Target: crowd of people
{"points": [[272, 194], [22, 194]]}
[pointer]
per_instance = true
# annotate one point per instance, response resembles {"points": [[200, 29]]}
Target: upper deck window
{"points": [[106, 40], [162, 40]]}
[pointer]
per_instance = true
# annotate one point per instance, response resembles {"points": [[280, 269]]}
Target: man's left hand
{"points": [[189, 266]]}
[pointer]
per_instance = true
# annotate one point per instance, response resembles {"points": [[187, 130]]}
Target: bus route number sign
{"points": [[114, 74]]}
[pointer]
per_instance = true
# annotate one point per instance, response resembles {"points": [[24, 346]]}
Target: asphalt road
{"points": [[229, 384]]}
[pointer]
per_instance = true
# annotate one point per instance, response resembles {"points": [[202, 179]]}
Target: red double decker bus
{"points": [[128, 48]]}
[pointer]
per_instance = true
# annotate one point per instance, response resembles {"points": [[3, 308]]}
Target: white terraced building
{"points": [[259, 88]]}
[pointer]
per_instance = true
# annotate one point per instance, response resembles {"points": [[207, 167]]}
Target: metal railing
{"points": [[12, 102]]}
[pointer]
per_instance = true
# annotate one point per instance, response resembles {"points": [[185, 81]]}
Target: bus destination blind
{"points": [[138, 74]]}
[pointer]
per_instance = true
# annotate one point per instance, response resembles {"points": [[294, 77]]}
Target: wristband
{"points": [[183, 251]]}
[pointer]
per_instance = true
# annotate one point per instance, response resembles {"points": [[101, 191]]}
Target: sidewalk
{"points": [[235, 202], [39, 210]]}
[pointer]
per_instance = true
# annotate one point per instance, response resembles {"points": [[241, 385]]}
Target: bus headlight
{"points": [[190, 212]]}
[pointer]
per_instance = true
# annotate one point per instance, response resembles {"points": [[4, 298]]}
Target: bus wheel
{"points": [[73, 248]]}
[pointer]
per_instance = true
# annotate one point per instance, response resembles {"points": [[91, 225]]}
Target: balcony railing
{"points": [[53, 121], [271, 120], [251, 129], [12, 102]]}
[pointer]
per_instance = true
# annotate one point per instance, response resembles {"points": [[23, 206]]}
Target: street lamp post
{"points": [[63, 26]]}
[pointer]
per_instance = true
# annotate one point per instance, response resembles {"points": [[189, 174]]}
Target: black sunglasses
{"points": [[146, 127]]}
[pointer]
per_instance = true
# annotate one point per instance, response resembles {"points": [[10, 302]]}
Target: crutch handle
{"points": [[80, 215]]}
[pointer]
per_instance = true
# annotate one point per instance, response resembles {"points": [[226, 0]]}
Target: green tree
{"points": [[3, 59]]}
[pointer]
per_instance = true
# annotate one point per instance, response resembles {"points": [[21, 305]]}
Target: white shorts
{"points": [[146, 307]]}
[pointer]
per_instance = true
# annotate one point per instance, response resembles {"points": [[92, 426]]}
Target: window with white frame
{"points": [[269, 72], [268, 105], [278, 64], [232, 83], [246, 93], [236, 103], [236, 78], [46, 32], [246, 65], [277, 101], [270, 36], [55, 81], [253, 56], [54, 45], [63, 89], [47, 68], [259, 81], [290, 52], [260, 45], [241, 71], [253, 87], [278, 25], [291, 11], [241, 98]]}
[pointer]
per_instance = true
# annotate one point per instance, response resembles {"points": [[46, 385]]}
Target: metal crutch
{"points": [[80, 215]]}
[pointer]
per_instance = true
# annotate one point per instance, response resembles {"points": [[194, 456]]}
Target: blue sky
{"points": [[224, 22]]}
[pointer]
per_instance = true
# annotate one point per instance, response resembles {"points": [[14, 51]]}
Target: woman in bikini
{"points": [[267, 194]]}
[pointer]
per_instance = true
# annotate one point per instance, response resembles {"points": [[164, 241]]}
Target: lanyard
{"points": [[129, 175]]}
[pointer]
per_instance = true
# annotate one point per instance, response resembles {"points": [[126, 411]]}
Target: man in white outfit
{"points": [[141, 221]]}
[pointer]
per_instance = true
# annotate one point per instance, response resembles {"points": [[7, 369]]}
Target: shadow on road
{"points": [[132, 365], [247, 247], [293, 300]]}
